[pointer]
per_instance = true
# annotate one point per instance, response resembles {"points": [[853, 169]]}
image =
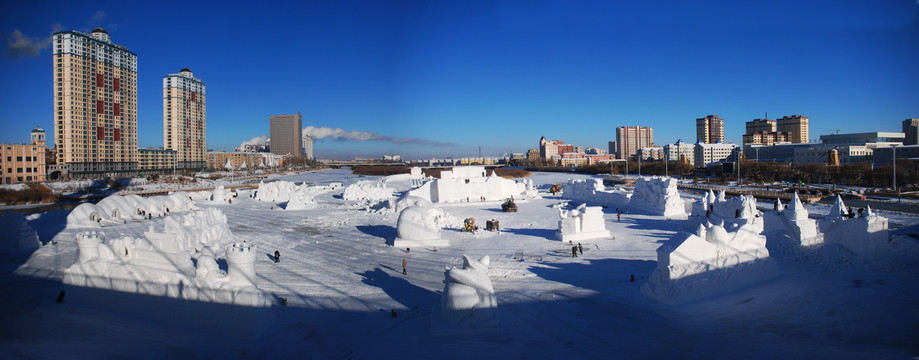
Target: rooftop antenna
{"points": [[766, 115]]}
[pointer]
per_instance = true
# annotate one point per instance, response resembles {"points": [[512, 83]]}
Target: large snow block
{"points": [[867, 236], [711, 261], [585, 222], [468, 184], [468, 305], [592, 192], [791, 230], [657, 195]]}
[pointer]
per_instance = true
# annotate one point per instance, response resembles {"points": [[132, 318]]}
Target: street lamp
{"points": [[893, 148]]}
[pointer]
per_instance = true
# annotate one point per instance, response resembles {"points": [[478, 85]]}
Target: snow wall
{"points": [[711, 261], [367, 192], [468, 305], [469, 184], [658, 196], [592, 191]]}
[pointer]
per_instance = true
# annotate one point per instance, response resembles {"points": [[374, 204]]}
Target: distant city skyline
{"points": [[435, 79]]}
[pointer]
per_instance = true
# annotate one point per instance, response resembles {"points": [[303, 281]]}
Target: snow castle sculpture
{"points": [[420, 226], [791, 230], [736, 211], [468, 184], [584, 222], [592, 191], [468, 304], [711, 261], [657, 195], [866, 236]]}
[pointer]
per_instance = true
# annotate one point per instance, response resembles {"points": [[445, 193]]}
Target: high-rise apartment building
{"points": [[911, 129], [184, 118], [286, 134], [795, 126], [760, 126], [631, 138], [308, 147], [710, 129], [95, 103]]}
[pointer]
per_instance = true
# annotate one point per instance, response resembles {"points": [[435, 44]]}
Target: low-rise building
{"points": [[23, 163], [705, 154]]}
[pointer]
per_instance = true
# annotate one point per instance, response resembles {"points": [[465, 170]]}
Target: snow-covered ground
{"points": [[341, 279]]}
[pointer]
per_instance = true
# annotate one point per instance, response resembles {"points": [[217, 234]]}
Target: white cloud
{"points": [[21, 46], [339, 134]]}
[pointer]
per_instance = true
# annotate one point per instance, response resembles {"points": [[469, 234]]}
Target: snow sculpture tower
{"points": [[468, 304], [584, 222], [791, 229], [866, 236], [241, 264], [88, 244]]}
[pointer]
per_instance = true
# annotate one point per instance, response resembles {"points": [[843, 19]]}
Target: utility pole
{"points": [[894, 150]]}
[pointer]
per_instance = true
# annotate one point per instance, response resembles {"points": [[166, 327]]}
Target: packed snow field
{"points": [[347, 297]]}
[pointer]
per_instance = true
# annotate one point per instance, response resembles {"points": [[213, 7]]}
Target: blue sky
{"points": [[439, 78]]}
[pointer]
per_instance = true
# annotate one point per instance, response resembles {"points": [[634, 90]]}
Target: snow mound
{"points": [[592, 191], [159, 264], [658, 196], [791, 230], [865, 236], [584, 222], [467, 184], [420, 226], [711, 261], [468, 304], [367, 192]]}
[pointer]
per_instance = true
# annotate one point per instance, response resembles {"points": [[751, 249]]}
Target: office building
{"points": [[710, 129], [286, 134], [95, 104], [706, 154], [184, 118], [631, 138]]}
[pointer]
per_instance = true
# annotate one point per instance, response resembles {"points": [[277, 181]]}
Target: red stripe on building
{"points": [[100, 106], [100, 133], [117, 84], [117, 135], [100, 80], [116, 109]]}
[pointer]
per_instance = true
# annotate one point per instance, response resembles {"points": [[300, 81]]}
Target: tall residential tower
{"points": [[184, 118], [285, 132], [631, 138], [95, 103], [710, 129]]}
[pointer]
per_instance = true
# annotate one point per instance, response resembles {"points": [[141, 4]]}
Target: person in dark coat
{"points": [[277, 256], [574, 251], [404, 264], [580, 249]]}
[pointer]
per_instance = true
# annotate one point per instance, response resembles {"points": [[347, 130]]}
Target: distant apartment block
{"points": [[766, 138], [552, 149], [706, 154], [760, 125], [184, 118], [95, 99], [652, 153], [533, 154], [157, 159], [22, 163], [249, 160], [286, 134], [710, 129], [911, 130], [795, 126], [848, 149], [631, 138], [680, 151], [308, 147]]}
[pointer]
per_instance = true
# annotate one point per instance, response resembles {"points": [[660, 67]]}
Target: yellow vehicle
{"points": [[469, 225]]}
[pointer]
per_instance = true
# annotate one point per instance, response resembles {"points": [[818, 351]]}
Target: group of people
{"points": [[575, 249]]}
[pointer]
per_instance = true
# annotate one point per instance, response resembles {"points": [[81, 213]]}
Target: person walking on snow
{"points": [[574, 251], [277, 256], [404, 264], [580, 249]]}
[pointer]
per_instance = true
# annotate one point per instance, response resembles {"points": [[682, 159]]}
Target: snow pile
{"points": [[367, 192], [468, 304], [116, 209], [467, 184], [791, 230], [420, 226], [584, 222], [711, 261], [19, 237], [592, 191], [159, 264], [658, 196], [296, 197], [865, 236]]}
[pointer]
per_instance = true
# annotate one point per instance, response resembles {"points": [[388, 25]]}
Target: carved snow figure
{"points": [[584, 222], [592, 191], [736, 211], [791, 230], [420, 226], [658, 196], [710, 261], [866, 236], [468, 304]]}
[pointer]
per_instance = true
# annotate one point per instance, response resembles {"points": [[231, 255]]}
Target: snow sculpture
{"points": [[296, 197], [736, 211], [220, 195], [791, 230], [468, 304], [711, 261], [657, 195], [115, 209], [420, 226], [367, 192], [584, 222], [468, 184], [85, 214], [159, 264], [592, 191], [866, 236]]}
